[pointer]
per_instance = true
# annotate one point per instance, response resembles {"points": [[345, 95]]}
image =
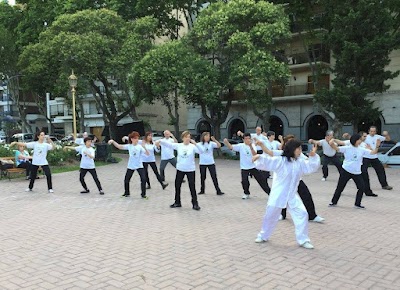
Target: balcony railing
{"points": [[301, 58], [297, 90]]}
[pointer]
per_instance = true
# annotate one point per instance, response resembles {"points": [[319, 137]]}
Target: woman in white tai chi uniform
{"points": [[288, 170]]}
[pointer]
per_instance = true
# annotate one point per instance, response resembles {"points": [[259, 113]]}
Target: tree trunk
{"points": [[355, 127], [112, 129], [177, 117]]}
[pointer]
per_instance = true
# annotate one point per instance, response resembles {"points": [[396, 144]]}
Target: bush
{"points": [[59, 157], [5, 151]]}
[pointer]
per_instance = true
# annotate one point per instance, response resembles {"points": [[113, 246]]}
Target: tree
{"points": [[361, 35], [170, 71], [241, 38], [96, 44]]}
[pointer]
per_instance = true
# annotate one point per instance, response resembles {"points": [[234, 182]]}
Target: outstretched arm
{"points": [[118, 146], [264, 148], [227, 144]]}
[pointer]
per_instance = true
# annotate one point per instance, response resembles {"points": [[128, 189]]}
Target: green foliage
{"points": [[361, 36], [6, 151], [60, 157], [242, 38]]}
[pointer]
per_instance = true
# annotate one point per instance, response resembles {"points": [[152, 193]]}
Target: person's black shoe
{"points": [[387, 187], [101, 192], [125, 195], [148, 187], [220, 193], [196, 207], [85, 191], [164, 185], [359, 206], [144, 196], [175, 205], [201, 192], [371, 194]]}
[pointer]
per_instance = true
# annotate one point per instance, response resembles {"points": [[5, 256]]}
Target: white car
{"points": [[391, 157], [3, 139]]}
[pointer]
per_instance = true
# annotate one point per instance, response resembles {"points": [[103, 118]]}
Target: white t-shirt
{"points": [[39, 152], [362, 144], [86, 161], [207, 155], [372, 141], [260, 137], [353, 158], [272, 145], [151, 157], [167, 152], [326, 148], [246, 156], [135, 155], [186, 153]]}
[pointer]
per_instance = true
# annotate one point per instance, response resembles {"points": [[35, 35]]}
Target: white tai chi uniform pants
{"points": [[299, 216]]}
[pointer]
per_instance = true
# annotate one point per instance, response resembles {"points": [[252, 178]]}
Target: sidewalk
{"points": [[67, 240]]}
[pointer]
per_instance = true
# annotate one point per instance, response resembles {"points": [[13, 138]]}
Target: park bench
{"points": [[9, 167]]}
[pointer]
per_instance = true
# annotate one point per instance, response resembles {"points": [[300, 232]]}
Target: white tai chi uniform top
{"points": [[86, 161], [245, 154], [151, 148], [260, 137], [372, 141], [207, 155], [136, 153], [326, 148], [39, 156], [284, 192], [186, 153], [167, 152]]}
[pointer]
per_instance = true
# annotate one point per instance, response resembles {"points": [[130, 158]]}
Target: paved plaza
{"points": [[67, 240]]}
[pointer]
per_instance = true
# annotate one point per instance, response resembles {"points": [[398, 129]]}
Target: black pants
{"points": [[93, 172], [334, 160], [46, 170], [128, 176], [308, 202], [192, 186], [343, 179], [380, 172], [164, 163], [258, 175], [27, 166], [155, 170], [213, 173]]}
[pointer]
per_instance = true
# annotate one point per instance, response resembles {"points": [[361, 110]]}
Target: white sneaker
{"points": [[51, 191], [280, 218], [246, 196], [307, 245], [259, 240], [318, 219], [323, 179], [28, 189]]}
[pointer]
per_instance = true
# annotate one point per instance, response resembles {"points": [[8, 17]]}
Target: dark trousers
{"points": [[308, 202], [213, 173], [27, 166], [343, 179], [258, 175], [192, 186], [128, 176], [93, 172], [164, 163], [47, 172], [334, 160], [380, 172], [155, 170]]}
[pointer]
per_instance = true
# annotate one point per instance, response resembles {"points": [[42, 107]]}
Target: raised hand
{"points": [[313, 151], [110, 141], [213, 138], [311, 141]]}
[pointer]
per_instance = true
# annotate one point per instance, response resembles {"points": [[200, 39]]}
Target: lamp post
{"points": [[73, 81]]}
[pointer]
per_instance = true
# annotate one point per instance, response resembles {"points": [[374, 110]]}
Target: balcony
{"points": [[299, 62], [297, 90]]}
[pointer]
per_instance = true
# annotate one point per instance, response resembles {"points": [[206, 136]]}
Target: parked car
{"points": [[157, 136], [391, 157], [54, 139], [22, 137]]}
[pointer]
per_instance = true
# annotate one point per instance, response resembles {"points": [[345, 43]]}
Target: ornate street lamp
{"points": [[73, 81]]}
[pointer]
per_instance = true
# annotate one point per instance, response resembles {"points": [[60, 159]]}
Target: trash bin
{"points": [[103, 151]]}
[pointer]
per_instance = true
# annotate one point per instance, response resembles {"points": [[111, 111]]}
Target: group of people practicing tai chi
{"points": [[259, 154]]}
